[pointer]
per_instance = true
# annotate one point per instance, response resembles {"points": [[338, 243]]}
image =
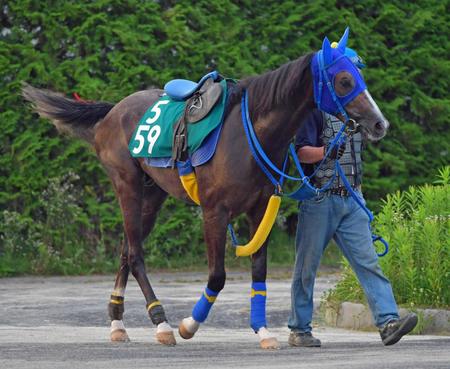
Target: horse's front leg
{"points": [[258, 292], [214, 228]]}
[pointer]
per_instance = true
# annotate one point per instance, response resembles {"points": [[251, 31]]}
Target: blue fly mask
{"points": [[326, 65]]}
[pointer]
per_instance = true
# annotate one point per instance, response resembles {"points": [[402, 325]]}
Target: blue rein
{"points": [[265, 163]]}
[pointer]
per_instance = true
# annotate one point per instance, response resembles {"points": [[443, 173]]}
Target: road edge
{"points": [[356, 316]]}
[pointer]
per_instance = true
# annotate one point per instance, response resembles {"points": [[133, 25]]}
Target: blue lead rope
{"points": [[262, 160], [260, 156], [353, 194]]}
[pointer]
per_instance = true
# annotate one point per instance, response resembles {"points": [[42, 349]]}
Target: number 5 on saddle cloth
{"points": [[163, 130]]}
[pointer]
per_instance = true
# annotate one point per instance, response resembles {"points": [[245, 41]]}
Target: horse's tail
{"points": [[70, 116]]}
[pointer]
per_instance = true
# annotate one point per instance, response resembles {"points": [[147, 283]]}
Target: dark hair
{"points": [[276, 87]]}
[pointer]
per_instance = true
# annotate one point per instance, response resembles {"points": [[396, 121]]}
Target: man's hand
{"points": [[336, 152]]}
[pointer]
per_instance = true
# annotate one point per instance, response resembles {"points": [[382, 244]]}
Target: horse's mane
{"points": [[274, 88]]}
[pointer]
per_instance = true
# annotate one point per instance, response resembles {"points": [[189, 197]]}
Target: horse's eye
{"points": [[344, 83]]}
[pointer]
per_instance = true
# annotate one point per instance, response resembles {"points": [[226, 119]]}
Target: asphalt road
{"points": [[62, 322]]}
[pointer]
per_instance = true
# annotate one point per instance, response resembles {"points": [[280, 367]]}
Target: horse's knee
{"points": [[216, 280], [135, 263]]}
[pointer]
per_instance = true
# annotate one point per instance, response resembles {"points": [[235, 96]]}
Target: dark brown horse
{"points": [[230, 184]]}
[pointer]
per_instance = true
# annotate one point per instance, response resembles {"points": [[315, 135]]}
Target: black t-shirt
{"points": [[309, 135]]}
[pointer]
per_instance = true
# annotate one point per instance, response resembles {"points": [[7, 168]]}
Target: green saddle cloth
{"points": [[154, 134]]}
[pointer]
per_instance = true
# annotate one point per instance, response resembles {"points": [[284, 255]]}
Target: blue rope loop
{"points": [[375, 239]]}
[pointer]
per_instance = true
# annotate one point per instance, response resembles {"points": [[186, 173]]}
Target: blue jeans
{"points": [[332, 216]]}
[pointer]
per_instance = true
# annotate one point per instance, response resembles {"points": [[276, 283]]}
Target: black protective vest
{"points": [[350, 161]]}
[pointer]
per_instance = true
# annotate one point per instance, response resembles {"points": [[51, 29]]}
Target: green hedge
{"points": [[105, 50], [416, 223]]}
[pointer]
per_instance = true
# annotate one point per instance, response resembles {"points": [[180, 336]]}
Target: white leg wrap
{"points": [[116, 325], [264, 333], [163, 327], [191, 325]]}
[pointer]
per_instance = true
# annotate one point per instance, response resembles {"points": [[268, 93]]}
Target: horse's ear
{"points": [[326, 49], [343, 41]]}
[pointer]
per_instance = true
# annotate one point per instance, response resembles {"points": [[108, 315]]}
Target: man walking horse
{"points": [[229, 184]]}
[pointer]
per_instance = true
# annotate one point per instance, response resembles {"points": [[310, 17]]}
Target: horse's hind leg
{"points": [[258, 291], [140, 205], [116, 303], [152, 202], [214, 225]]}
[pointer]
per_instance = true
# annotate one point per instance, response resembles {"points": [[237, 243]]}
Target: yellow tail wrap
{"points": [[263, 230], [189, 182]]}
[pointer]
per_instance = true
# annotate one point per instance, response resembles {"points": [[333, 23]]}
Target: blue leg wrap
{"points": [[258, 306], [202, 307]]}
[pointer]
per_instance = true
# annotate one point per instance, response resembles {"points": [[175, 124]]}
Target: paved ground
{"points": [[62, 323]]}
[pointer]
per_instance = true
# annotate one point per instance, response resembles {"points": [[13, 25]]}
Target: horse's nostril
{"points": [[379, 126]]}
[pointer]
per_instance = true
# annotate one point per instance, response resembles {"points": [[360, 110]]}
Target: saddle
{"points": [[182, 89], [198, 105]]}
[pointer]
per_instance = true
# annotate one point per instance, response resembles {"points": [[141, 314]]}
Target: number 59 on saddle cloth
{"points": [[153, 137]]}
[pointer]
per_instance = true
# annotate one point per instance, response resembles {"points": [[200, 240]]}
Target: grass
{"points": [[416, 223]]}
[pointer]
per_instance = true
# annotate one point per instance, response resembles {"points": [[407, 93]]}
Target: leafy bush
{"points": [[416, 223], [53, 239], [106, 50], [19, 243]]}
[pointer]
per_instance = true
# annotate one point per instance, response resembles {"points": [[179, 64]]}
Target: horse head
{"points": [[340, 90]]}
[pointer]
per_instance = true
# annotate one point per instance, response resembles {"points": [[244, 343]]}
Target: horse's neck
{"points": [[282, 99], [277, 128]]}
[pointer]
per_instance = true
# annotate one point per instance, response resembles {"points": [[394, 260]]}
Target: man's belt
{"points": [[342, 191]]}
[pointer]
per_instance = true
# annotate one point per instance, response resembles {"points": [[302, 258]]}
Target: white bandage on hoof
{"points": [[163, 327], [118, 332], [191, 325], [188, 327], [117, 325], [264, 333], [267, 340], [164, 334]]}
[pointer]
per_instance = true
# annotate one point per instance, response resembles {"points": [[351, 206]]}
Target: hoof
{"points": [[166, 338], [184, 333], [119, 335], [270, 344]]}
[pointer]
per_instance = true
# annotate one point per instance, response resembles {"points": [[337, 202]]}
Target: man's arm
{"points": [[309, 149], [310, 154]]}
